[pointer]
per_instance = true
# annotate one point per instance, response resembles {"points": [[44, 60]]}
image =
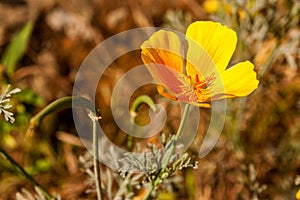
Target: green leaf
{"points": [[16, 49]]}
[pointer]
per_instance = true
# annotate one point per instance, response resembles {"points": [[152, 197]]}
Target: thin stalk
{"points": [[177, 136], [96, 155], [184, 115], [20, 170], [171, 151]]}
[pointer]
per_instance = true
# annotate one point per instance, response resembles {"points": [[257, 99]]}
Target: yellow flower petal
{"points": [[163, 47], [218, 40], [238, 81], [198, 61]]}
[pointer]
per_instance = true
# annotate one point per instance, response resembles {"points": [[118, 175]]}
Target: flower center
{"points": [[201, 87]]}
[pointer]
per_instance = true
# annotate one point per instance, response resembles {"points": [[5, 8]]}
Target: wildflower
{"points": [[203, 76], [5, 103], [211, 6]]}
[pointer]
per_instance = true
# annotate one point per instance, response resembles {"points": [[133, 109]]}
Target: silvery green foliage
{"points": [[138, 173], [26, 195], [110, 180], [5, 103], [153, 167]]}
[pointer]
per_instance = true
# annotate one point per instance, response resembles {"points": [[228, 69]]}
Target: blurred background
{"points": [[44, 42]]}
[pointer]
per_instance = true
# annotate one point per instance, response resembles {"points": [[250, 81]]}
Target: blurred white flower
{"points": [[4, 103]]}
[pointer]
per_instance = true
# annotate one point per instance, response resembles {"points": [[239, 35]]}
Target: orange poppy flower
{"points": [[194, 69]]}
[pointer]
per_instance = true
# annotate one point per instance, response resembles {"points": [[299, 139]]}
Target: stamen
{"points": [[197, 78], [198, 83], [201, 88]]}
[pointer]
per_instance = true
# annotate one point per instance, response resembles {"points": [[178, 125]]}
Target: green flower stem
{"points": [[135, 105], [96, 155], [177, 136], [171, 151], [21, 171]]}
